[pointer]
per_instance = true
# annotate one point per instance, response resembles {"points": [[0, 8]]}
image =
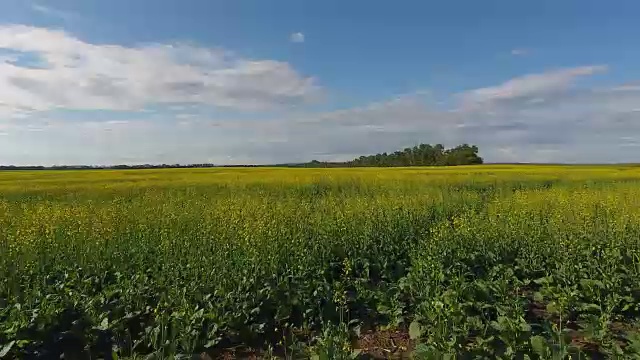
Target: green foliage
{"points": [[420, 155], [423, 155], [334, 344], [476, 262]]}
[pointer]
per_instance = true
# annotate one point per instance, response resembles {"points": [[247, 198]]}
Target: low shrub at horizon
{"points": [[477, 261]]}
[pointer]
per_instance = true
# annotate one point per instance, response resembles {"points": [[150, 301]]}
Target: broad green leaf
{"points": [[539, 345], [415, 330]]}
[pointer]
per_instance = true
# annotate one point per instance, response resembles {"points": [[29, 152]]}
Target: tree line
{"points": [[419, 155]]}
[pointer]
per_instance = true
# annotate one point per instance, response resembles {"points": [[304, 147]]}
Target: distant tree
{"points": [[422, 155]]}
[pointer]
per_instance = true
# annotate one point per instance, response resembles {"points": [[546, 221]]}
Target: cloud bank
{"points": [[50, 69], [181, 103]]}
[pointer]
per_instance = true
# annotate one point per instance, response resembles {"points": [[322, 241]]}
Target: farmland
{"points": [[475, 261]]}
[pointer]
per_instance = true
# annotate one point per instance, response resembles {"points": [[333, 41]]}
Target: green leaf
{"points": [[634, 342], [152, 356], [538, 297], [591, 308], [212, 343], [448, 356], [496, 326], [552, 308], [5, 349], [104, 325], [415, 330], [628, 306], [539, 345]]}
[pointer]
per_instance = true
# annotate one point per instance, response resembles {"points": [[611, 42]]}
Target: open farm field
{"points": [[492, 261]]}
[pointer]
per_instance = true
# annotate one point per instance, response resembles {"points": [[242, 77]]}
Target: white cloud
{"points": [[74, 74], [520, 52], [297, 37], [532, 86]]}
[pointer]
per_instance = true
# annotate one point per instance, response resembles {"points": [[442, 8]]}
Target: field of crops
{"points": [[466, 262]]}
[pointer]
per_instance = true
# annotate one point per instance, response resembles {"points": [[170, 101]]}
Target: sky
{"points": [[271, 81]]}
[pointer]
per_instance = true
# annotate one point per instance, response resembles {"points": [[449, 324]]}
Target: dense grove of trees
{"points": [[423, 155], [420, 155]]}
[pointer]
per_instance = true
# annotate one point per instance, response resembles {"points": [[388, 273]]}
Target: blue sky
{"points": [[103, 82]]}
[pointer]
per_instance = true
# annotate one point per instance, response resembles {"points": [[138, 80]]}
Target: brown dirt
{"points": [[230, 354], [385, 344]]}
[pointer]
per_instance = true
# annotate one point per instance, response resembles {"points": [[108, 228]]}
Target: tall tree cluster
{"points": [[423, 155], [420, 155]]}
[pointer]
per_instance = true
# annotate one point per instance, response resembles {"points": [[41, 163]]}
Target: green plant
{"points": [[334, 344]]}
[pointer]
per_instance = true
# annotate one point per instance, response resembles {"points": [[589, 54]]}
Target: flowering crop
{"points": [[481, 261]]}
